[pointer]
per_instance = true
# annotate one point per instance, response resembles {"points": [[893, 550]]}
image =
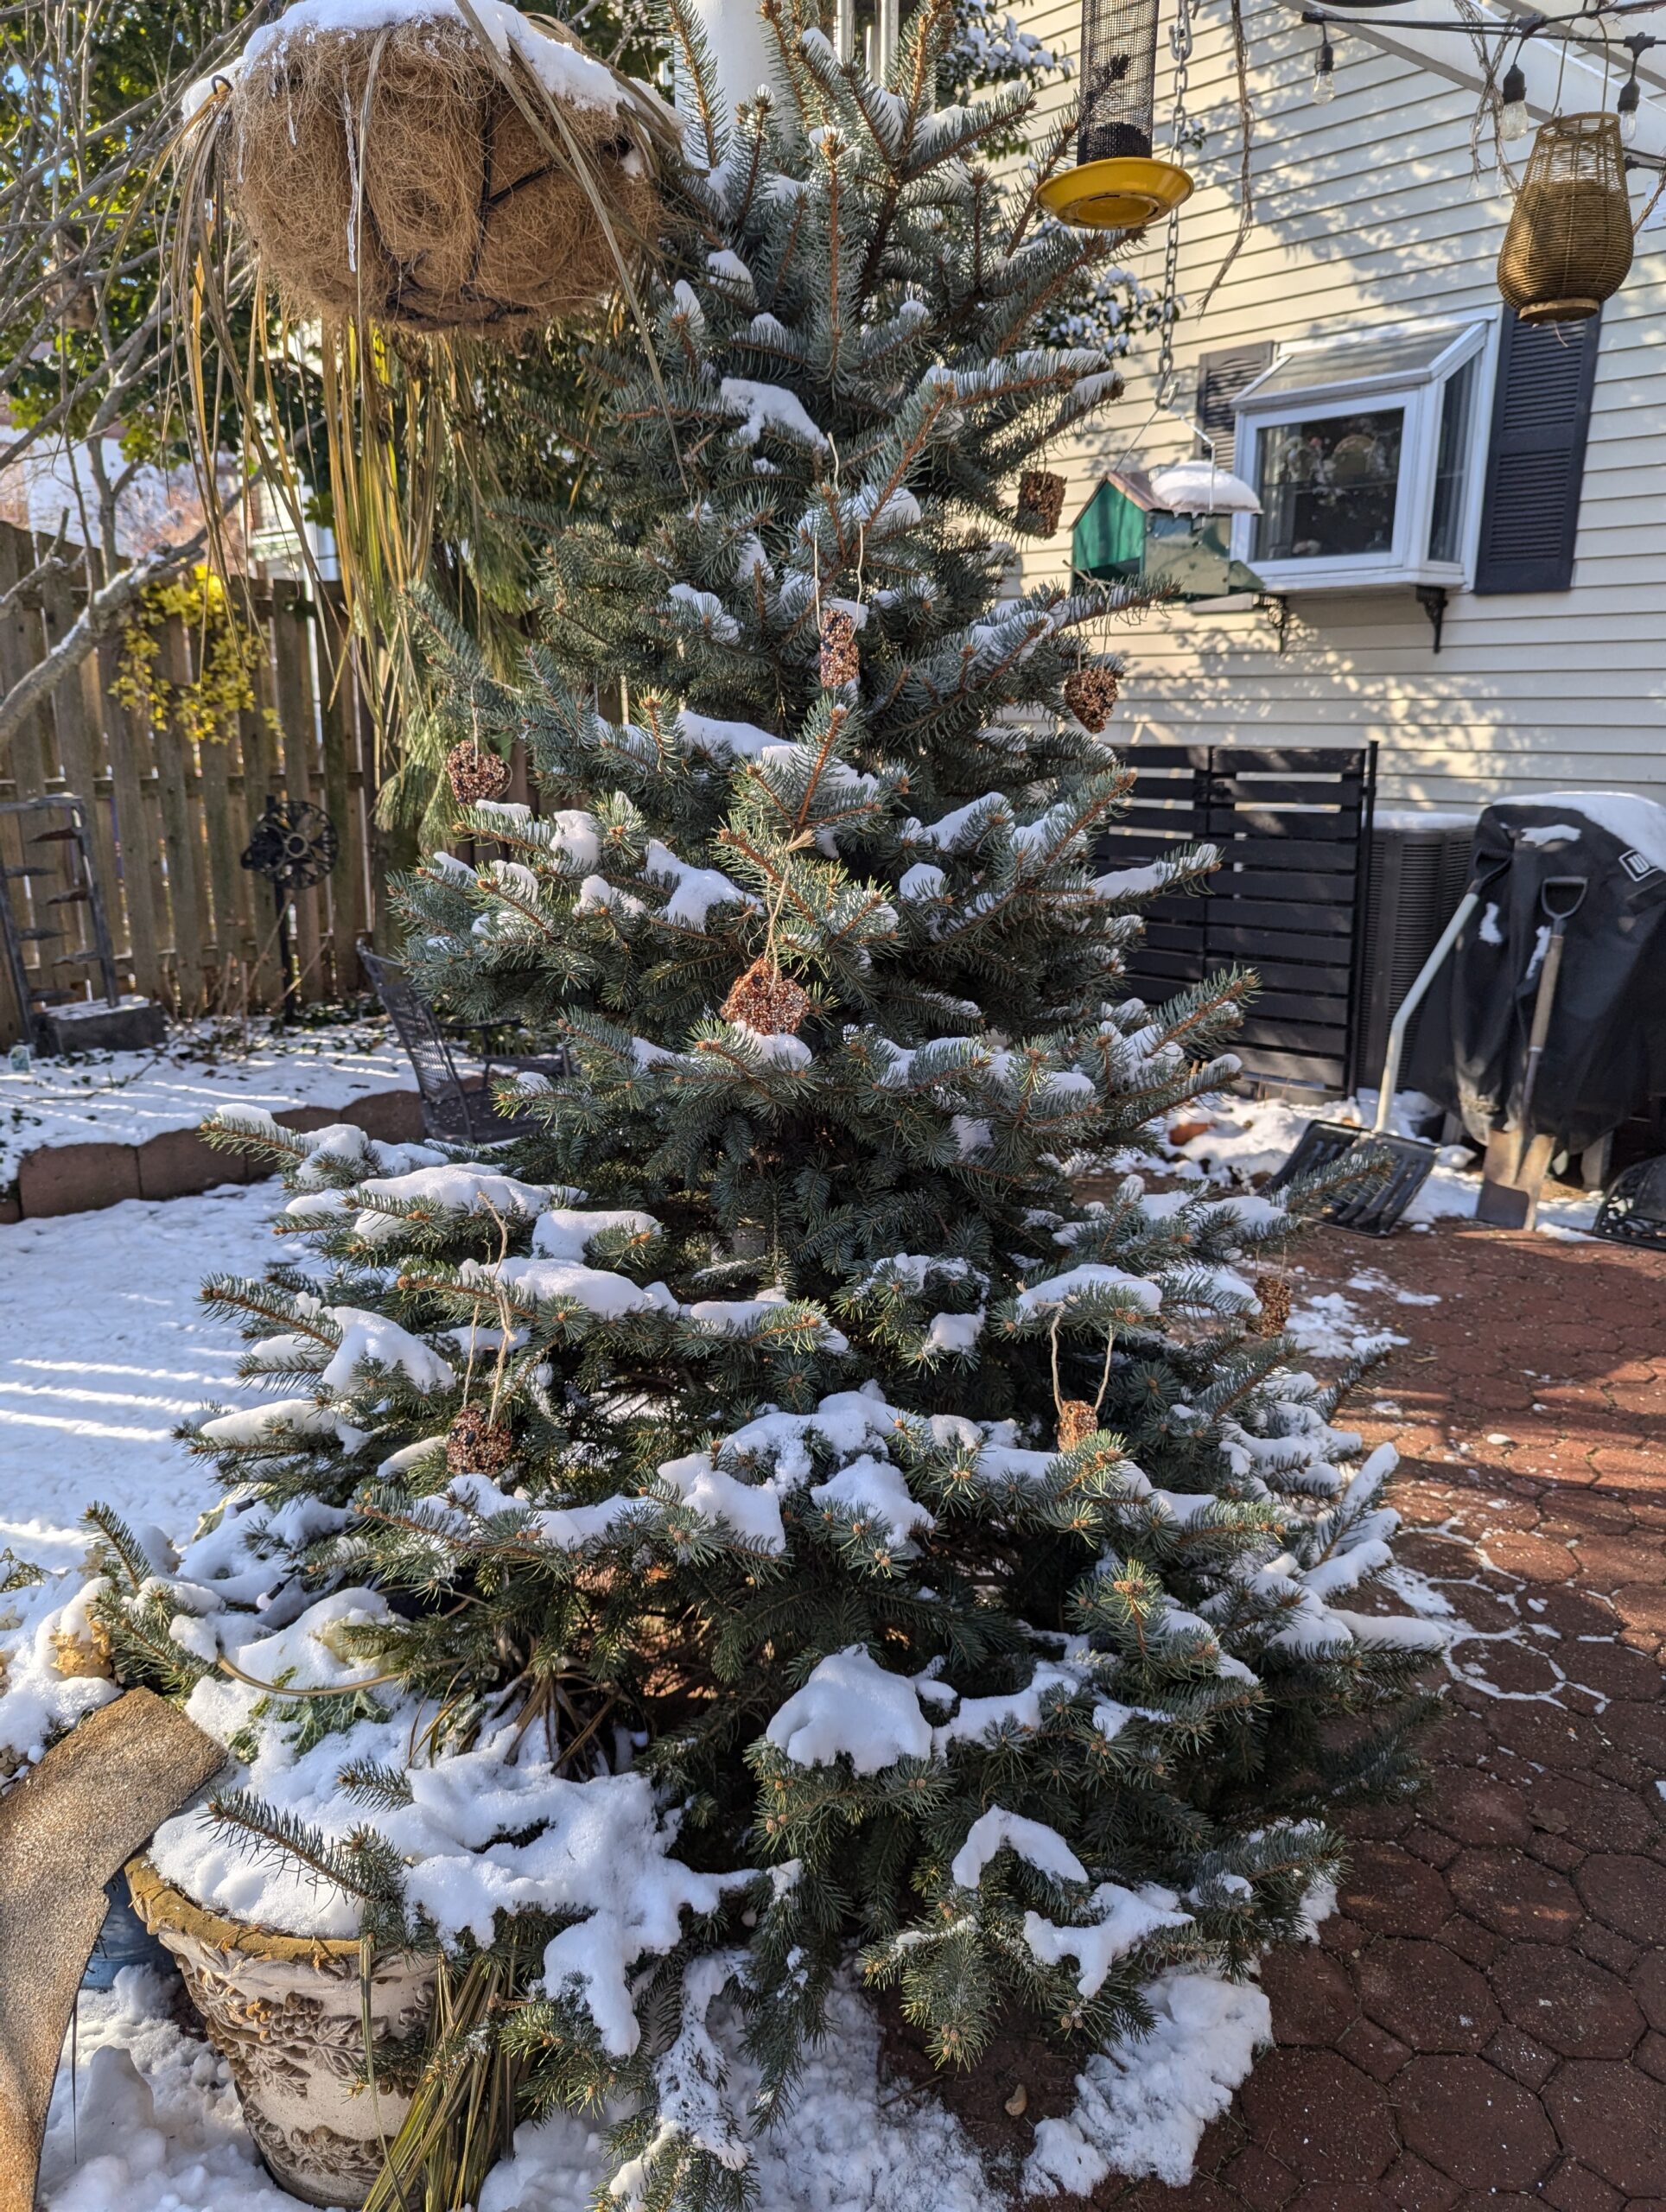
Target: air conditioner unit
{"points": [[1419, 860]]}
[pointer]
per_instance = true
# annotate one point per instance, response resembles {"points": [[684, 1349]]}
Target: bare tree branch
{"points": [[101, 615]]}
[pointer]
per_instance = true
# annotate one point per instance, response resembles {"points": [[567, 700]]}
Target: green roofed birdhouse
{"points": [[1169, 529]]}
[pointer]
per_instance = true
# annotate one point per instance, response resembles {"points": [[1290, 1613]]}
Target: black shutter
{"points": [[1222, 376], [1535, 457]]}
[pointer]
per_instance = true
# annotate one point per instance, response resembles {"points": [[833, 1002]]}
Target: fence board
{"points": [[338, 716], [78, 742], [258, 744], [182, 825], [131, 896], [292, 658]]}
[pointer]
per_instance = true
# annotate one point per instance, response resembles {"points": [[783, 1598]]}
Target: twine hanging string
{"points": [[1058, 1398]]}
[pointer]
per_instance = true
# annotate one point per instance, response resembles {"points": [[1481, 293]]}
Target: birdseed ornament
{"points": [[477, 1445], [1272, 1290], [765, 1000], [1076, 1419], [1040, 501], [1090, 693], [841, 661], [474, 775]]}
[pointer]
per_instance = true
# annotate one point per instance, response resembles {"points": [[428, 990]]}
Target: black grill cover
{"points": [[1605, 1054]]}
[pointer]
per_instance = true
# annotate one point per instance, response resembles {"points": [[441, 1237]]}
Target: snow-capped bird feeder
{"points": [[1117, 184], [395, 166], [1168, 530], [1568, 246]]}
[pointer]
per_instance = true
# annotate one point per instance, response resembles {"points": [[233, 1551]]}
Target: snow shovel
{"points": [[1377, 1208], [1517, 1158]]}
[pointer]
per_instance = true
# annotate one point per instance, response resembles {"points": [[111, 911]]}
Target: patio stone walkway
{"points": [[1482, 2022]]}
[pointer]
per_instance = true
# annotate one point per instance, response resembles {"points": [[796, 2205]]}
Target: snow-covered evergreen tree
{"points": [[769, 1511]]}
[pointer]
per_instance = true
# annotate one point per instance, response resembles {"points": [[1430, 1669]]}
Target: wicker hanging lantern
{"points": [[1117, 184], [1568, 246]]}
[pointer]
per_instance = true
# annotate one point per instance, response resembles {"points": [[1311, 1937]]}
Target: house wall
{"points": [[1365, 211]]}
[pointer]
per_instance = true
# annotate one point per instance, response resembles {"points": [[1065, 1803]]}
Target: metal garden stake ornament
{"points": [[293, 847]]}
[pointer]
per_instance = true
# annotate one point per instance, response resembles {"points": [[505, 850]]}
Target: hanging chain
{"points": [[1179, 46]]}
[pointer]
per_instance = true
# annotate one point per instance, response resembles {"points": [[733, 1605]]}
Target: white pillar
{"points": [[742, 49], [887, 14]]}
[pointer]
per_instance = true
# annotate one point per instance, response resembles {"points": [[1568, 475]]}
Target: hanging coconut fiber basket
{"points": [[437, 165], [1568, 245]]}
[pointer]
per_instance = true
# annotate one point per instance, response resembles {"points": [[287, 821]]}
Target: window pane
{"points": [[1446, 522], [1385, 352], [1327, 487]]}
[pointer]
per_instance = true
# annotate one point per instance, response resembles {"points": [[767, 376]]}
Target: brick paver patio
{"points": [[1483, 2022]]}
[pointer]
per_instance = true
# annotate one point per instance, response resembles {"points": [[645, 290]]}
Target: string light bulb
{"points": [[1627, 105], [1324, 69], [1513, 117]]}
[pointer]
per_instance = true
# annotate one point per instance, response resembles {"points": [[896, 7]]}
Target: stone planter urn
{"points": [[287, 2014]]}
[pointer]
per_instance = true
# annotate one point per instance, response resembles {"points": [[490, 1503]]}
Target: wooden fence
{"points": [[170, 817]]}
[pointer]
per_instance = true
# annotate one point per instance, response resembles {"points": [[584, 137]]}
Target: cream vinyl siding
{"points": [[1366, 212]]}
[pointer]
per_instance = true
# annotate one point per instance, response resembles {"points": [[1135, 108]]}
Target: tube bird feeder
{"points": [[1118, 183]]}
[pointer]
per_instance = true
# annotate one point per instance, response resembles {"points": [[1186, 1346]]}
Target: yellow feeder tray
{"points": [[1122, 194]]}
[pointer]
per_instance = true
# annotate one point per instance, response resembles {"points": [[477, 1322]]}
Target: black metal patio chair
{"points": [[452, 1112]]}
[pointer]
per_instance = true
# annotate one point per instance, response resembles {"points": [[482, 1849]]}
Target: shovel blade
{"points": [[1374, 1210], [1511, 1179]]}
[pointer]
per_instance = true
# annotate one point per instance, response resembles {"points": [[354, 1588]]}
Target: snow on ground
{"points": [[124, 1097], [147, 2120], [153, 2124], [1247, 1137], [104, 1349]]}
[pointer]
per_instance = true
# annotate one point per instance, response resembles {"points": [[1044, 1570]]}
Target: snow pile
{"points": [[124, 1097], [852, 1707], [855, 2141], [147, 2120], [1142, 2107], [1327, 1325]]}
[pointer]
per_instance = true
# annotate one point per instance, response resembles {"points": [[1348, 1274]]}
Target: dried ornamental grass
{"points": [[410, 175]]}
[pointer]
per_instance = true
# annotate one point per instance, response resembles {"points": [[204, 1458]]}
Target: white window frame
{"points": [[1420, 395]]}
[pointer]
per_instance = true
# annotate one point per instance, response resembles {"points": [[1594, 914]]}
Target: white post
{"points": [[740, 47], [887, 15]]}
